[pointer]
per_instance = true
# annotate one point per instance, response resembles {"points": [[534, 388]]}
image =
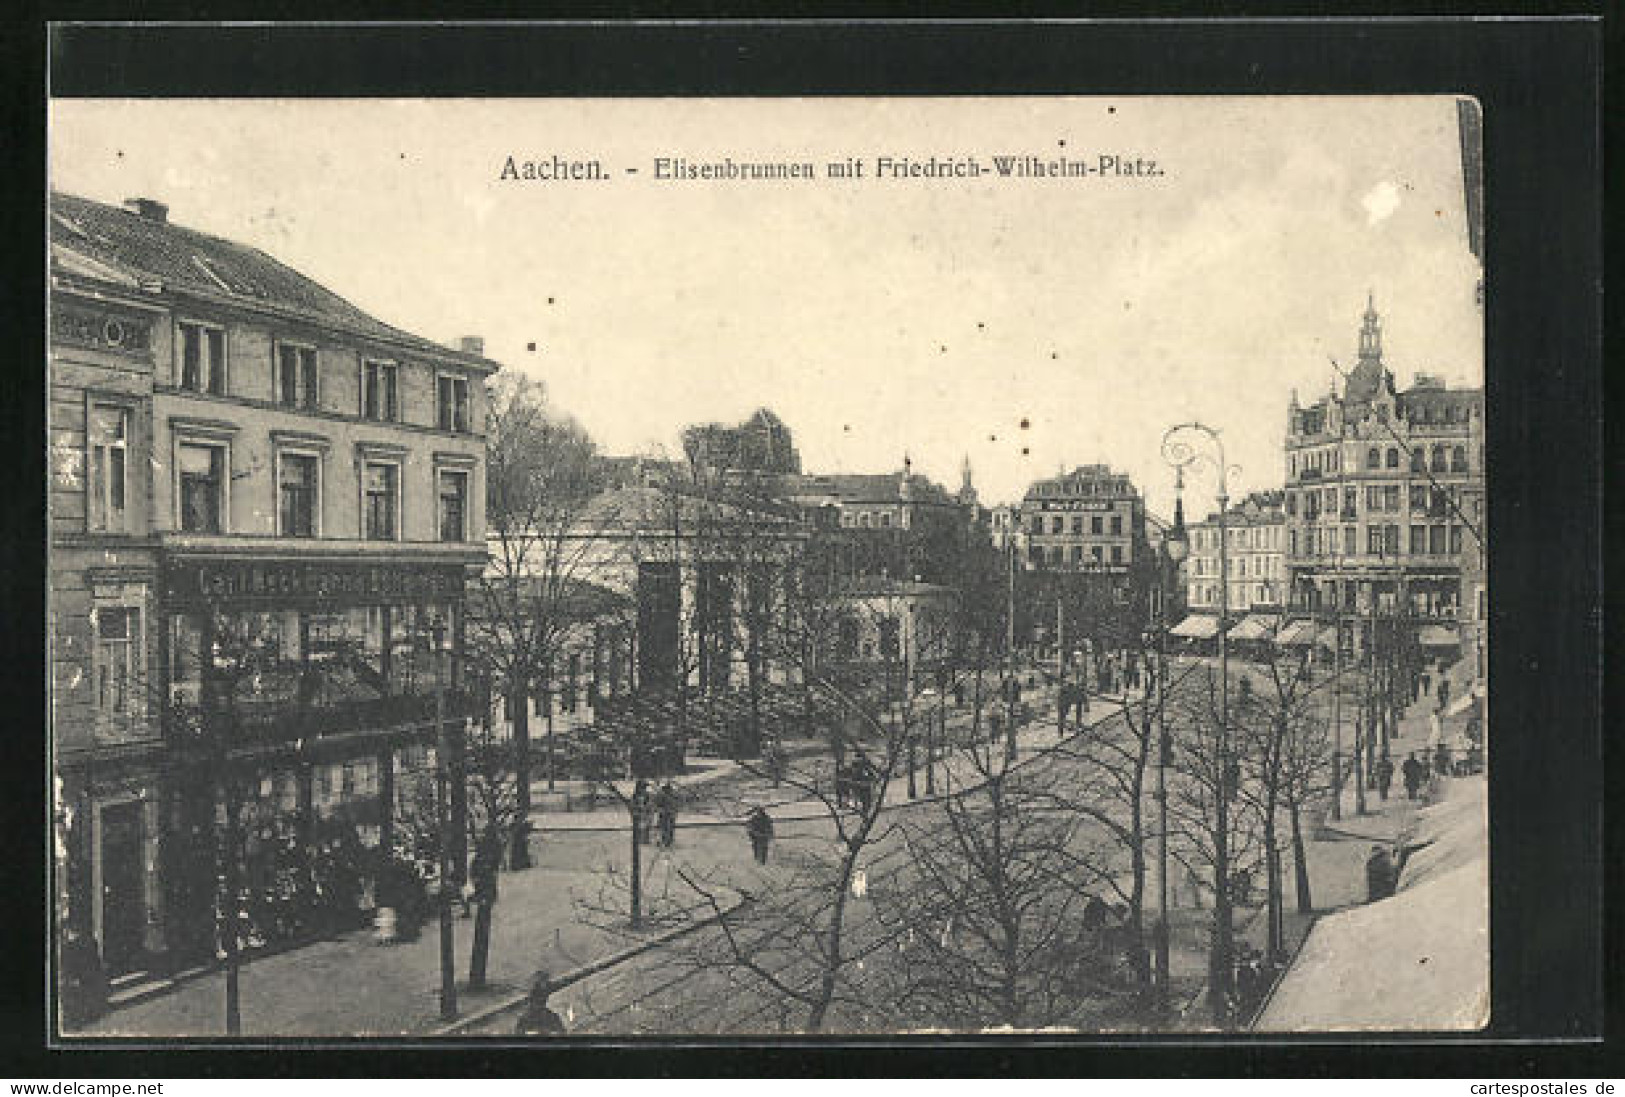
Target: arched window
{"points": [[1458, 459], [1373, 458], [1393, 457]]}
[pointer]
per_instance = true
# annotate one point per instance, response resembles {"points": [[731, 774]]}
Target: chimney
{"points": [[472, 344], [148, 209]]}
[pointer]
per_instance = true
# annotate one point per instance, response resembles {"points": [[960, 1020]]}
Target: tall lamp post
{"points": [[1185, 445], [1177, 547]]}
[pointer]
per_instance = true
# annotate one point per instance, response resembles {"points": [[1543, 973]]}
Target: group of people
{"points": [[855, 783], [661, 808]]}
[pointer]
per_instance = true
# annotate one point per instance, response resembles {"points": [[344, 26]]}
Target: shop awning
{"points": [[1198, 626], [1297, 634], [1438, 636], [1253, 627]]}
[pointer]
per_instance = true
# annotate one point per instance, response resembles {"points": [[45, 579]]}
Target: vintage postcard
{"points": [[603, 567]]}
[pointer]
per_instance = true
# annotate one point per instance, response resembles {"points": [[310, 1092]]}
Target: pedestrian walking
{"points": [[1380, 874], [538, 1019], [640, 812], [759, 825], [666, 810], [1411, 771], [1385, 776]]}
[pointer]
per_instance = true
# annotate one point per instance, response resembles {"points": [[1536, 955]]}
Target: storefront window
{"points": [[413, 666]]}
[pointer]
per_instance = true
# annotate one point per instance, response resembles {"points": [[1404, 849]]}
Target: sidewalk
{"points": [[558, 915], [1336, 857]]}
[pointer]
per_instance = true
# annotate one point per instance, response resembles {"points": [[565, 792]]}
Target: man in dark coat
{"points": [[759, 825], [1380, 874], [538, 1019], [1441, 760], [1411, 771], [666, 811], [1385, 775]]}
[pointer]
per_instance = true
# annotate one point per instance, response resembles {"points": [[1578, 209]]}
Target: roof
{"points": [[89, 237], [865, 487], [1198, 626], [1253, 627], [645, 509], [1429, 404]]}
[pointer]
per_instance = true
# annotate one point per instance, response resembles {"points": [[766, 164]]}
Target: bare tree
{"points": [[1207, 766], [997, 922], [540, 480]]}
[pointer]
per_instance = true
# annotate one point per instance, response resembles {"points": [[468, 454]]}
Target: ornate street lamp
{"points": [[1177, 547], [1184, 445]]}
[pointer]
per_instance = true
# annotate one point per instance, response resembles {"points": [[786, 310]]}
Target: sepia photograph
{"points": [[534, 569]]}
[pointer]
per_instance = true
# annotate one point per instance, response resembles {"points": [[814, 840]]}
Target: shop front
{"points": [[300, 695]]}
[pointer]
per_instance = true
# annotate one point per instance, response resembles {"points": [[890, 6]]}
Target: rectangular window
{"points": [[202, 487], [1077, 554], [382, 487], [1373, 540], [379, 392], [1094, 525], [1292, 503], [203, 358], [1077, 524], [1117, 525], [1436, 537], [1455, 540], [1390, 498], [1419, 540], [296, 376], [452, 403], [118, 634], [1390, 540], [453, 505], [1095, 551], [1117, 554], [109, 441], [296, 490], [1056, 525]]}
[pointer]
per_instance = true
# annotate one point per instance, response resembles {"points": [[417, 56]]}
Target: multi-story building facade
{"points": [[1088, 520], [1255, 531], [1384, 492], [897, 524], [264, 508]]}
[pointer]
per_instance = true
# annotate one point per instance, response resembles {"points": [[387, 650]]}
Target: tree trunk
{"points": [[1136, 906], [1300, 865], [518, 705], [1272, 885], [637, 876], [482, 945]]}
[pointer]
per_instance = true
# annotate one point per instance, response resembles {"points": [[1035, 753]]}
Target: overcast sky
{"points": [[875, 316]]}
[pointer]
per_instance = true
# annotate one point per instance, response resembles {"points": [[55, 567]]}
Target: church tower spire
{"points": [[967, 490], [1371, 332]]}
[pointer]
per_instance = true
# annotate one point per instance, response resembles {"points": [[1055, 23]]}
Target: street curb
{"points": [[575, 975]]}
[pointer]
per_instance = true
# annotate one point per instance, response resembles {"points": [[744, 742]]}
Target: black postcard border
{"points": [[1539, 83]]}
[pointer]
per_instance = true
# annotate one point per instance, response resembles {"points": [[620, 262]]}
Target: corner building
{"points": [[1384, 492], [282, 498]]}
